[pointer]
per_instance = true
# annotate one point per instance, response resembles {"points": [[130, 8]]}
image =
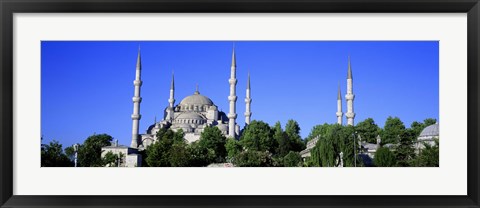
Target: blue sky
{"points": [[87, 86]]}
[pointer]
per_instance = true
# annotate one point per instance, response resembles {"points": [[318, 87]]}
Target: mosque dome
{"points": [[190, 116], [196, 99], [430, 131]]}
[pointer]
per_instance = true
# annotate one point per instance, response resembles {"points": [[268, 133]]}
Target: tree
{"points": [[368, 130], [89, 153], [318, 130], [158, 153], [253, 158], [392, 130], [384, 158], [52, 155], [405, 151], [213, 139], [112, 160], [179, 154], [233, 148], [293, 159], [258, 136], [292, 129], [429, 156]]}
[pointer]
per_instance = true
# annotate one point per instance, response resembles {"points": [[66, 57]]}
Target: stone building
{"points": [[192, 115]]}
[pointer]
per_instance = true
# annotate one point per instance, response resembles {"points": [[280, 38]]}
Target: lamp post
{"points": [[75, 149]]}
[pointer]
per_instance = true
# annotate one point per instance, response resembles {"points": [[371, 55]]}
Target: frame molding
{"points": [[9, 7]]}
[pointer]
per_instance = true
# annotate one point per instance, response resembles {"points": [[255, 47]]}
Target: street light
{"points": [[75, 149]]}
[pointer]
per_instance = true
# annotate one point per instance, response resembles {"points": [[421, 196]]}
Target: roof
{"points": [[196, 99], [189, 115], [430, 131]]}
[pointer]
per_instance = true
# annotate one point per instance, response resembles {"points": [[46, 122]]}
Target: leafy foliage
{"points": [[293, 159], [384, 158], [429, 156], [52, 155], [253, 158], [368, 130], [89, 153], [258, 136], [392, 130]]}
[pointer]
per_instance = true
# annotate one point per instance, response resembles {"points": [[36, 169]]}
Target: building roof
{"points": [[430, 131], [190, 115], [196, 99]]}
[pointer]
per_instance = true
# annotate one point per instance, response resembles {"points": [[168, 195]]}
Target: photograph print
{"points": [[240, 104]]}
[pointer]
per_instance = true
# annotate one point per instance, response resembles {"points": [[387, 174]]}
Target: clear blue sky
{"points": [[87, 87]]}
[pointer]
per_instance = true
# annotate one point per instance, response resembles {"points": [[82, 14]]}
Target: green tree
{"points": [[158, 153], [89, 153], [112, 160], [429, 156], [293, 159], [405, 152], [258, 136], [318, 130], [52, 155], [200, 156], [384, 158], [368, 130], [233, 148], [392, 130], [179, 154], [253, 158], [213, 139], [292, 129]]}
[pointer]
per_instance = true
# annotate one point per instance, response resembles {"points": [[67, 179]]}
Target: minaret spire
{"points": [[171, 100], [248, 100], [136, 102], [350, 96], [339, 107], [232, 115]]}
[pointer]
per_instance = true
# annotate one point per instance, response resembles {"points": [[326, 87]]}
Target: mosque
{"points": [[196, 112], [192, 115]]}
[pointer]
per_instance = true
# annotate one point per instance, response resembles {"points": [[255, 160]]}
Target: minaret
{"points": [[339, 107], [350, 96], [232, 115], [248, 100], [136, 102], [171, 100]]}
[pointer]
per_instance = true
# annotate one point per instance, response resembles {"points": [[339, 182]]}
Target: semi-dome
{"points": [[190, 116], [196, 99], [430, 131]]}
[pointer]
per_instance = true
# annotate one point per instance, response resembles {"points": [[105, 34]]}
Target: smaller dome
{"points": [[189, 115], [430, 131]]}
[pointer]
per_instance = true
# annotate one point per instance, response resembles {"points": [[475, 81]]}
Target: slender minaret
{"points": [[248, 100], [339, 107], [232, 115], [171, 100], [350, 96], [136, 102]]}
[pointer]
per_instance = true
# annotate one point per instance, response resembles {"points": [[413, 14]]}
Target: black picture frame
{"points": [[10, 7]]}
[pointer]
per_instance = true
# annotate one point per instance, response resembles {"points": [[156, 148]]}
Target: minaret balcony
{"points": [[136, 116], [339, 114], [350, 115], [137, 82], [232, 81], [232, 98], [136, 99], [349, 96]]}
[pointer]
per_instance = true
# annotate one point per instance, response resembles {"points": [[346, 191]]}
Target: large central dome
{"points": [[196, 99]]}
